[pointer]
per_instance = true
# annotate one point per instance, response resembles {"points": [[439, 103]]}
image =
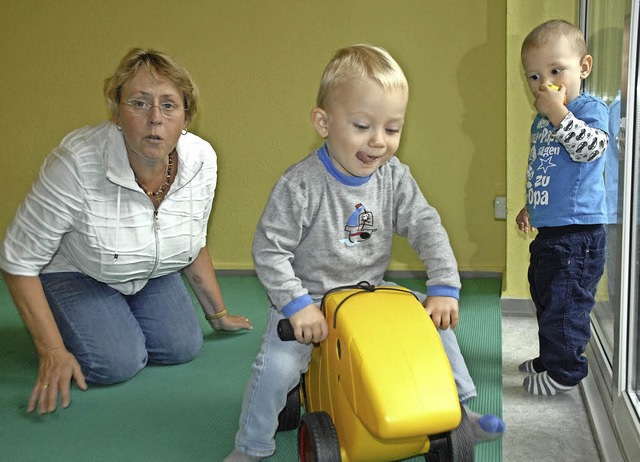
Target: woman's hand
{"points": [[57, 365], [231, 323], [57, 368], [202, 278]]}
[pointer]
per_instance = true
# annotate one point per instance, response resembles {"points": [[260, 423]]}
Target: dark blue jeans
{"points": [[114, 335], [566, 265]]}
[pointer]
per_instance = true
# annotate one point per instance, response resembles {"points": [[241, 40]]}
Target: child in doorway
{"points": [[565, 203], [306, 244]]}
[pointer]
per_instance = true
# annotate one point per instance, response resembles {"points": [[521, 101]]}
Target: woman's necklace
{"points": [[159, 193]]}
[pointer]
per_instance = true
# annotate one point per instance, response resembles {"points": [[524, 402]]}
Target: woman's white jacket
{"points": [[85, 213]]}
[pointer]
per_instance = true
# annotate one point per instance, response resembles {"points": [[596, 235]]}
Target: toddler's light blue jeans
{"points": [[277, 370], [114, 335]]}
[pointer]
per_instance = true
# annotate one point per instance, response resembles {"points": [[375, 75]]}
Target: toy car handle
{"points": [[285, 330]]}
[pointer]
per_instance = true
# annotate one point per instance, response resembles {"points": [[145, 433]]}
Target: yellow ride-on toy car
{"points": [[380, 387]]}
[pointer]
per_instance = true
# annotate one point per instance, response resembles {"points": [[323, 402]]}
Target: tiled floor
{"points": [[539, 428]]}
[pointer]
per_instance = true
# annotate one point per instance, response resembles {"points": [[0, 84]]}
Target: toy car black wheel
{"points": [[289, 417], [454, 446], [317, 438]]}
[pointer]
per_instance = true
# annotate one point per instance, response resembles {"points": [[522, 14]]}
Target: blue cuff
{"points": [[296, 305], [443, 291]]}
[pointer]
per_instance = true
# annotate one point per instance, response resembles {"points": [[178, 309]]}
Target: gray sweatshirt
{"points": [[322, 229]]}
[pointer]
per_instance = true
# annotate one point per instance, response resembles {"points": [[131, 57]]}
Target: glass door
{"points": [[629, 382], [611, 28], [603, 22]]}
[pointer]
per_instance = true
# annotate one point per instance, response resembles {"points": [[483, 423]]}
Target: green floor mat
{"points": [[479, 334], [190, 412]]}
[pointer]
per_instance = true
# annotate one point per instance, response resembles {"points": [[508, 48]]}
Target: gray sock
{"points": [[485, 427], [542, 384], [531, 367]]}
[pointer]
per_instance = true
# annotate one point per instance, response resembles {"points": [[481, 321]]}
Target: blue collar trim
{"points": [[348, 180]]}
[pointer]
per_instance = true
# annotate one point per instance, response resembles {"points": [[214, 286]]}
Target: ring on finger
{"points": [[44, 387]]}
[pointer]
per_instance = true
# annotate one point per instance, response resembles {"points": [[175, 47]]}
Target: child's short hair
{"points": [[553, 30], [359, 62]]}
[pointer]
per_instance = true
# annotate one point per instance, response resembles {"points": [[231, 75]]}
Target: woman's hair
{"points": [[158, 64], [553, 30], [358, 62]]}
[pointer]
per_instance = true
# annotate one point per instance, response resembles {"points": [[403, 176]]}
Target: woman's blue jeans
{"points": [[565, 268], [112, 335]]}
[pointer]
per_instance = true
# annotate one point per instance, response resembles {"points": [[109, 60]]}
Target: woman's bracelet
{"points": [[211, 317]]}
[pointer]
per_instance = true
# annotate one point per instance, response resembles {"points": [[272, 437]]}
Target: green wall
{"points": [[257, 64], [522, 17]]}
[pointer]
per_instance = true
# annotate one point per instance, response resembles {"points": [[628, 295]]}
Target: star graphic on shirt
{"points": [[546, 164]]}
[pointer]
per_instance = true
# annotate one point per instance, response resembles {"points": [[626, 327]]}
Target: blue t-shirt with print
{"points": [[561, 191]]}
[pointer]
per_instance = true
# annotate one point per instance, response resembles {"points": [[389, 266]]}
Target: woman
{"points": [[94, 255]]}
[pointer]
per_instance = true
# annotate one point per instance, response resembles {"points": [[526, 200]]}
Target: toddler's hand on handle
{"points": [[443, 311], [309, 325]]}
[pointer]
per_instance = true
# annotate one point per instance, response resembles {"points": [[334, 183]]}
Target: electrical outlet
{"points": [[500, 208]]}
